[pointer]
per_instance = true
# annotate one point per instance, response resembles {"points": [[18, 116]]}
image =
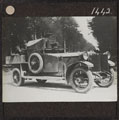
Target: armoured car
{"points": [[43, 61]]}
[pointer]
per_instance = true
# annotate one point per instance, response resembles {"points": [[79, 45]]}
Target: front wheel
{"points": [[81, 80], [16, 76], [107, 78]]}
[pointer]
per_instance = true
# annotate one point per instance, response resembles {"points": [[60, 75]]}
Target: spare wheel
{"points": [[35, 63]]}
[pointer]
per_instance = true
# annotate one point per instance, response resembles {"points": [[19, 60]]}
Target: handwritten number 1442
{"points": [[100, 11]]}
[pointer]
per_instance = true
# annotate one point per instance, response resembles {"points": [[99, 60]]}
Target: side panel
{"points": [[15, 59], [51, 63]]}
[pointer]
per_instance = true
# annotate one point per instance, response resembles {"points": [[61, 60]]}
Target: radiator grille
{"points": [[100, 62]]}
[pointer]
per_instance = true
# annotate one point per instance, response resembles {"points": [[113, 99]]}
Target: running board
{"points": [[40, 77], [43, 77]]}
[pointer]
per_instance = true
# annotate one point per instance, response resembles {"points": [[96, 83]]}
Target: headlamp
{"points": [[85, 56], [108, 54]]}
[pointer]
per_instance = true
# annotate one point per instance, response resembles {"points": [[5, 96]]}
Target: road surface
{"points": [[53, 91]]}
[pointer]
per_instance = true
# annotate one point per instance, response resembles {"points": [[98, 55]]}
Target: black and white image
{"points": [[59, 59]]}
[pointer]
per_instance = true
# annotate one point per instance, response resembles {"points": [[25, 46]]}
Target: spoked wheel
{"points": [[106, 79], [17, 80], [81, 80], [35, 63]]}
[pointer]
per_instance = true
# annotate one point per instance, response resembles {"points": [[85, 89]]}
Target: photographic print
{"points": [[59, 59]]}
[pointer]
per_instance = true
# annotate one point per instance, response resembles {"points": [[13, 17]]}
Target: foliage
{"points": [[17, 31], [105, 30]]}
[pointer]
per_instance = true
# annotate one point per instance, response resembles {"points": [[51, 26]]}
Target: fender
{"points": [[111, 63], [87, 63]]}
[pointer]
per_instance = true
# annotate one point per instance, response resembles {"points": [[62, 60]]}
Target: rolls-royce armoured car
{"points": [[43, 61]]}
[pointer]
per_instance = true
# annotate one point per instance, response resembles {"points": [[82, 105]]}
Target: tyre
{"points": [[107, 79], [35, 63], [81, 80], [16, 76]]}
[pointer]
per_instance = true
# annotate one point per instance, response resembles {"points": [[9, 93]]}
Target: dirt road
{"points": [[53, 91]]}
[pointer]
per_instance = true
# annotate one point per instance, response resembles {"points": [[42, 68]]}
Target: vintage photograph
{"points": [[59, 59]]}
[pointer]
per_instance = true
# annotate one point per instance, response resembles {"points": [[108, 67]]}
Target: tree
{"points": [[68, 33], [13, 34], [17, 30], [105, 30]]}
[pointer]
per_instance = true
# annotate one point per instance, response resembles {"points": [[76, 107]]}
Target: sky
{"points": [[86, 31]]}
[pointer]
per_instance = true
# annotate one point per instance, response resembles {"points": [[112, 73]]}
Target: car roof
{"points": [[72, 54], [33, 42]]}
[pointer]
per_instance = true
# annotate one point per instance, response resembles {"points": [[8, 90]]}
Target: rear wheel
{"points": [[106, 79], [16, 76], [81, 80]]}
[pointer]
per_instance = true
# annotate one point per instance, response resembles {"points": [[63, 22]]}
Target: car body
{"points": [[42, 58]]}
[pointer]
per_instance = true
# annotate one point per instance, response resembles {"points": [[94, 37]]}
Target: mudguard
{"points": [[88, 64], [83, 64], [111, 63]]}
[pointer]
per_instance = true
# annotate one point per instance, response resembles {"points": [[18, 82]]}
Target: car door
{"points": [[50, 63]]}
